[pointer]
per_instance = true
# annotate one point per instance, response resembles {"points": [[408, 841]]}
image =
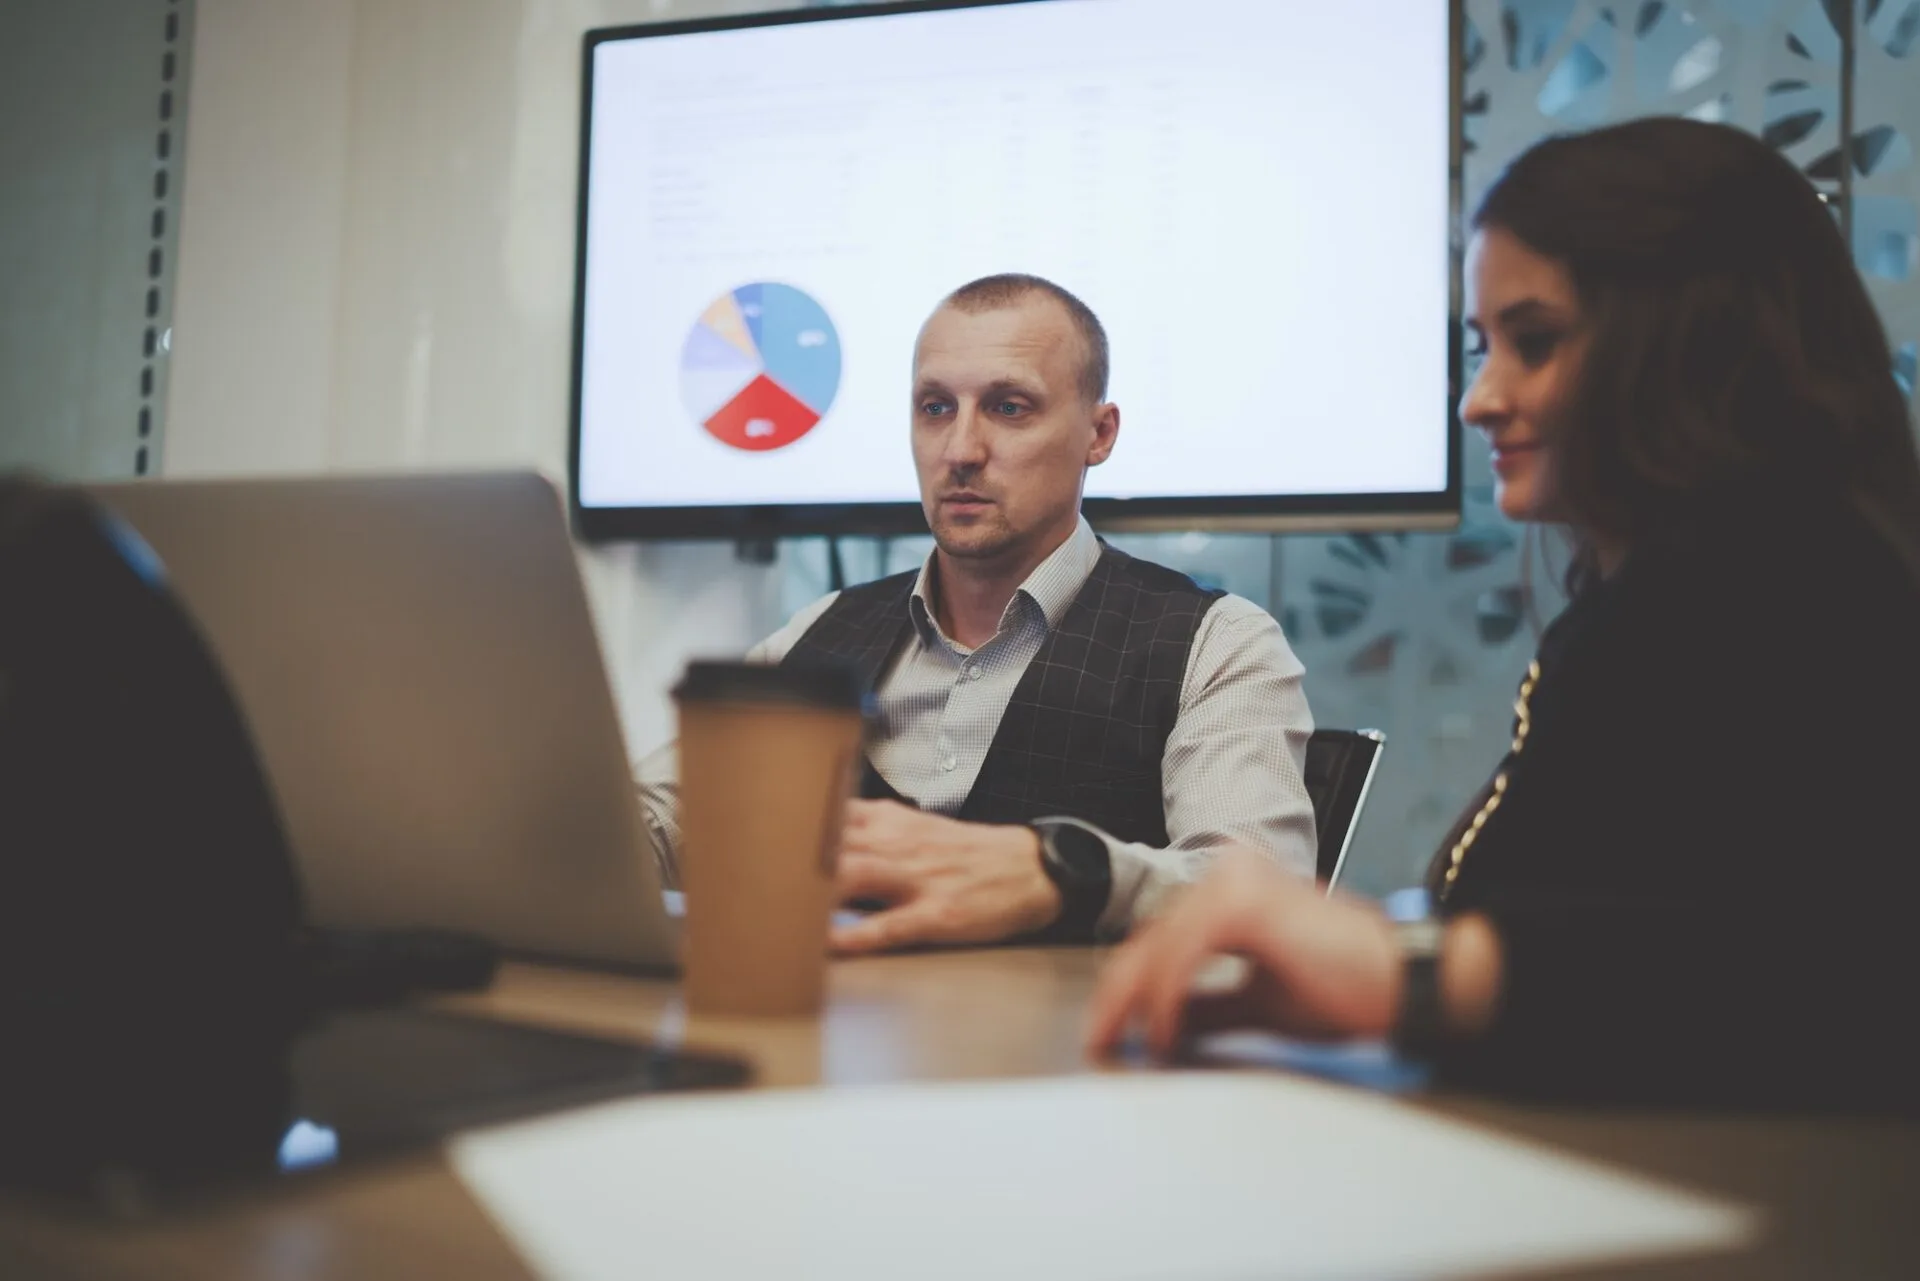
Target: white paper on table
{"points": [[1190, 1176]]}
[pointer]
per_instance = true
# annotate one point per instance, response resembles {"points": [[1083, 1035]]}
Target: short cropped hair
{"points": [[990, 293]]}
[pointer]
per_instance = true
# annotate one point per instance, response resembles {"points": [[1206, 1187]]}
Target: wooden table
{"points": [[1841, 1197]]}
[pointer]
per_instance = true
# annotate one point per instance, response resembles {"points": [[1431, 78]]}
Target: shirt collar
{"points": [[1051, 586]]}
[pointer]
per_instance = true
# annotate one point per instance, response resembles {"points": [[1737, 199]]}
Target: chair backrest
{"points": [[1340, 768]]}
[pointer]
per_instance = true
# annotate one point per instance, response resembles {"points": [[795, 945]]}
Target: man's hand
{"points": [[943, 881]]}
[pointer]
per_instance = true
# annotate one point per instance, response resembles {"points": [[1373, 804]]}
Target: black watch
{"points": [[1074, 856], [1419, 1030]]}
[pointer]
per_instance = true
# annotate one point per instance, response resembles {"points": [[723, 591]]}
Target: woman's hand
{"points": [[1322, 968]]}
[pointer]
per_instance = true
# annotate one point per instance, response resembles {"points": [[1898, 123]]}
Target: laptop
{"points": [[417, 663]]}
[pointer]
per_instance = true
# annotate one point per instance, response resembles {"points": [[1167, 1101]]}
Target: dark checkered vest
{"points": [[1087, 725]]}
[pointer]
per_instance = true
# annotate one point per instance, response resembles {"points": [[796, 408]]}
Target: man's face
{"points": [[1002, 432]]}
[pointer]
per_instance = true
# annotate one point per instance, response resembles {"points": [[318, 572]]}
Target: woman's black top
{"points": [[1705, 871]]}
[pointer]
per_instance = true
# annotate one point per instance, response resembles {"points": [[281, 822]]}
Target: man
{"points": [[1066, 732]]}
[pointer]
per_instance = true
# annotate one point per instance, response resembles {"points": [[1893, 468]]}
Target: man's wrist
{"points": [[1042, 901], [1075, 856]]}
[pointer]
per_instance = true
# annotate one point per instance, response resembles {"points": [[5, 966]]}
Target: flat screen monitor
{"points": [[1256, 197]]}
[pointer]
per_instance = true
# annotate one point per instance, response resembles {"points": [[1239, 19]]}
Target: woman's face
{"points": [[1523, 325]]}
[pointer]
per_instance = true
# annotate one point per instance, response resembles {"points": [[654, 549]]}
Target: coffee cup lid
{"points": [[828, 685]]}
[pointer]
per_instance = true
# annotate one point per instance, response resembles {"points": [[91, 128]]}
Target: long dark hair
{"points": [[1730, 344]]}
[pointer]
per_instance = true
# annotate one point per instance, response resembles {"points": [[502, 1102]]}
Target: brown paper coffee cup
{"points": [[767, 761]]}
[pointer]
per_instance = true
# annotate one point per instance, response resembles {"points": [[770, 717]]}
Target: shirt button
{"points": [[973, 671], [950, 764]]}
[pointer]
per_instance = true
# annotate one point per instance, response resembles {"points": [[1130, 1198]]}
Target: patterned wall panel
{"points": [[92, 118], [1886, 179]]}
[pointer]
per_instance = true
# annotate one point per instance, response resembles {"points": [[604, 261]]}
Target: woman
{"points": [[1694, 875]]}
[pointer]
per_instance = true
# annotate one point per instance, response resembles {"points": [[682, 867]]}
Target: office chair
{"points": [[1340, 769]]}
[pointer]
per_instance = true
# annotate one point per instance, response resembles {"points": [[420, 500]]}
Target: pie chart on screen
{"points": [[761, 367]]}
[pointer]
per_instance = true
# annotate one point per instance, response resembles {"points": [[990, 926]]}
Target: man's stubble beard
{"points": [[975, 543]]}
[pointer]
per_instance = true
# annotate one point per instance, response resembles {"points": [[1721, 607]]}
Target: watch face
{"points": [[1080, 853]]}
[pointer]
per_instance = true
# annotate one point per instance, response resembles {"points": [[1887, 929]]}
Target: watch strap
{"points": [[1083, 899], [1419, 1029]]}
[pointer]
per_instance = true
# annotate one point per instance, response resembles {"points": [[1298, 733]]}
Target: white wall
{"points": [[257, 281], [376, 272]]}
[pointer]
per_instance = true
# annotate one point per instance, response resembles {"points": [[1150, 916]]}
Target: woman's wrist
{"points": [[1470, 976]]}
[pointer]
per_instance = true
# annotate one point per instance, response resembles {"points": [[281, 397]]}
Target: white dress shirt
{"points": [[1232, 766]]}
